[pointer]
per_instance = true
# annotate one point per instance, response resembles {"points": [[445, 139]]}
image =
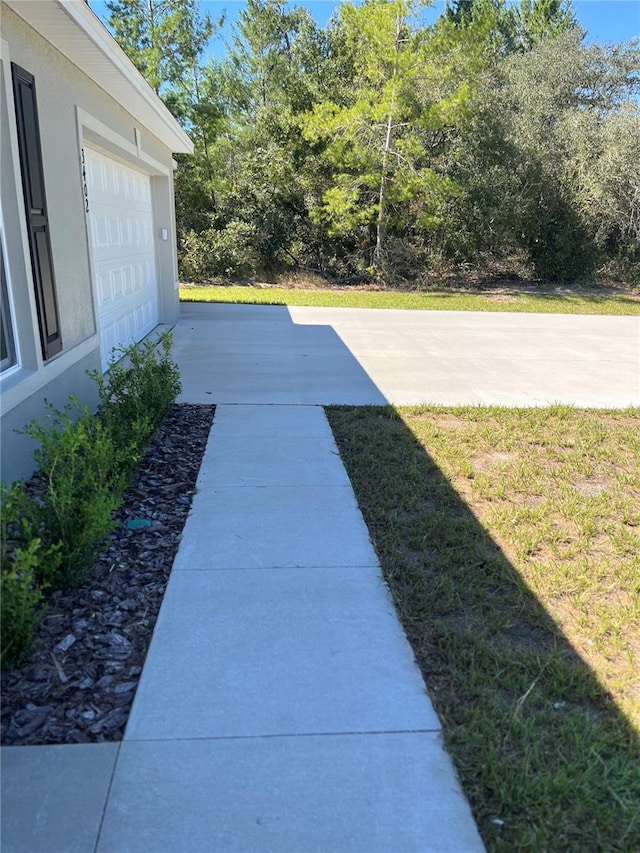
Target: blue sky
{"points": [[604, 20]]}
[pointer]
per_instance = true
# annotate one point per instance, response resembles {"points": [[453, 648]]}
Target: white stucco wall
{"points": [[65, 95]]}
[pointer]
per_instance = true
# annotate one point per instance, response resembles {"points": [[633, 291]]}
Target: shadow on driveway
{"points": [[318, 356], [257, 354]]}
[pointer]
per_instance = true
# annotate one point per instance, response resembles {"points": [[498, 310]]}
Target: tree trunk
{"points": [[205, 143], [381, 224], [152, 38]]}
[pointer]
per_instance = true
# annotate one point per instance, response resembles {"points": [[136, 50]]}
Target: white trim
{"points": [[21, 384], [5, 58], [87, 234], [73, 29], [130, 152], [12, 308]]}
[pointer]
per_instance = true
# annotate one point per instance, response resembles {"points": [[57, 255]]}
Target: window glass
{"points": [[7, 350]]}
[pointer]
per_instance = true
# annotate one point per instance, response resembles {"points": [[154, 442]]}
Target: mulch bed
{"points": [[89, 650]]}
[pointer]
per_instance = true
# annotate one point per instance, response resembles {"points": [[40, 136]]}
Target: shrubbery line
{"points": [[52, 535]]}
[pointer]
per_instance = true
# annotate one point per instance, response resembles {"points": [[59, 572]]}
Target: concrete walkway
{"points": [[280, 708]]}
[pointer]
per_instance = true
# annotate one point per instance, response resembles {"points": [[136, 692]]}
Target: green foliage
{"points": [[164, 40], [77, 461], [550, 136], [135, 394], [212, 253], [539, 20], [493, 139], [52, 533], [25, 566], [374, 141], [19, 600], [519, 26]]}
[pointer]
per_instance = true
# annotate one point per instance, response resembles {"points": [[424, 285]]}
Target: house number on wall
{"points": [[84, 184]]}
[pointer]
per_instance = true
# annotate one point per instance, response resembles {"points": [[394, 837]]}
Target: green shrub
{"points": [[83, 485], [20, 597], [229, 251], [52, 532], [135, 397], [23, 564]]}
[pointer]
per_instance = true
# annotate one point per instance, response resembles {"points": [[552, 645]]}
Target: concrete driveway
{"points": [[275, 354]]}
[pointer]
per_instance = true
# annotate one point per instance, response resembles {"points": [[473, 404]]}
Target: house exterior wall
{"points": [[72, 111]]}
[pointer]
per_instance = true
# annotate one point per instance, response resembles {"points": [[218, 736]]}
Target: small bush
{"points": [[82, 486], [135, 396], [52, 531], [213, 252], [23, 564], [20, 596]]}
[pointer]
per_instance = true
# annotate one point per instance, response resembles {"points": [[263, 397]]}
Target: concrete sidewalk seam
{"points": [[310, 734]]}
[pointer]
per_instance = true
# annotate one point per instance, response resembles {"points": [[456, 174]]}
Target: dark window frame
{"points": [[33, 186]]}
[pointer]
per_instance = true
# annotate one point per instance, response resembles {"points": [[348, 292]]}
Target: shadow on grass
{"points": [[546, 758]]}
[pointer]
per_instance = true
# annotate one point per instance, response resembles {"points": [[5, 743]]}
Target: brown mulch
{"points": [[89, 649]]}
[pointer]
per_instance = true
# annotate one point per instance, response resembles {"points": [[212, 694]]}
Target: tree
{"points": [[164, 39], [548, 162], [382, 144], [385, 141], [374, 138], [276, 63], [538, 20], [519, 27]]}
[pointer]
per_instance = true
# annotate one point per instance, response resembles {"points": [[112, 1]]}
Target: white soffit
{"points": [[73, 29]]}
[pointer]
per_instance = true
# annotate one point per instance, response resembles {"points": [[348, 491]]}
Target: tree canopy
{"points": [[494, 138]]}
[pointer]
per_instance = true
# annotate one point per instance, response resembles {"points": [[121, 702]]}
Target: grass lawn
{"points": [[511, 543], [541, 303]]}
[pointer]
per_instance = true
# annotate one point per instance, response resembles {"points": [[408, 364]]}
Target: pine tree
{"points": [[164, 39], [537, 20]]}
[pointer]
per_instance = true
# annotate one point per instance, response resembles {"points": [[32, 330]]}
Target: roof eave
{"points": [[71, 26]]}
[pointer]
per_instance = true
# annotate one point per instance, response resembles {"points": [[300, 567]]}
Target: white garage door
{"points": [[122, 238]]}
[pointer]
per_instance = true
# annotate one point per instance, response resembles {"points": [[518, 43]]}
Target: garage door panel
{"points": [[123, 254], [108, 180], [123, 251], [130, 278], [121, 290], [123, 331], [113, 234]]}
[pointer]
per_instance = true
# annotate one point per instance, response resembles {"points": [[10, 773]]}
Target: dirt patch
{"points": [[531, 501], [503, 297], [600, 546], [450, 422], [620, 419], [590, 487], [490, 460]]}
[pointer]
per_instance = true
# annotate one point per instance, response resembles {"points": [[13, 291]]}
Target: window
{"points": [[7, 349], [24, 93]]}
